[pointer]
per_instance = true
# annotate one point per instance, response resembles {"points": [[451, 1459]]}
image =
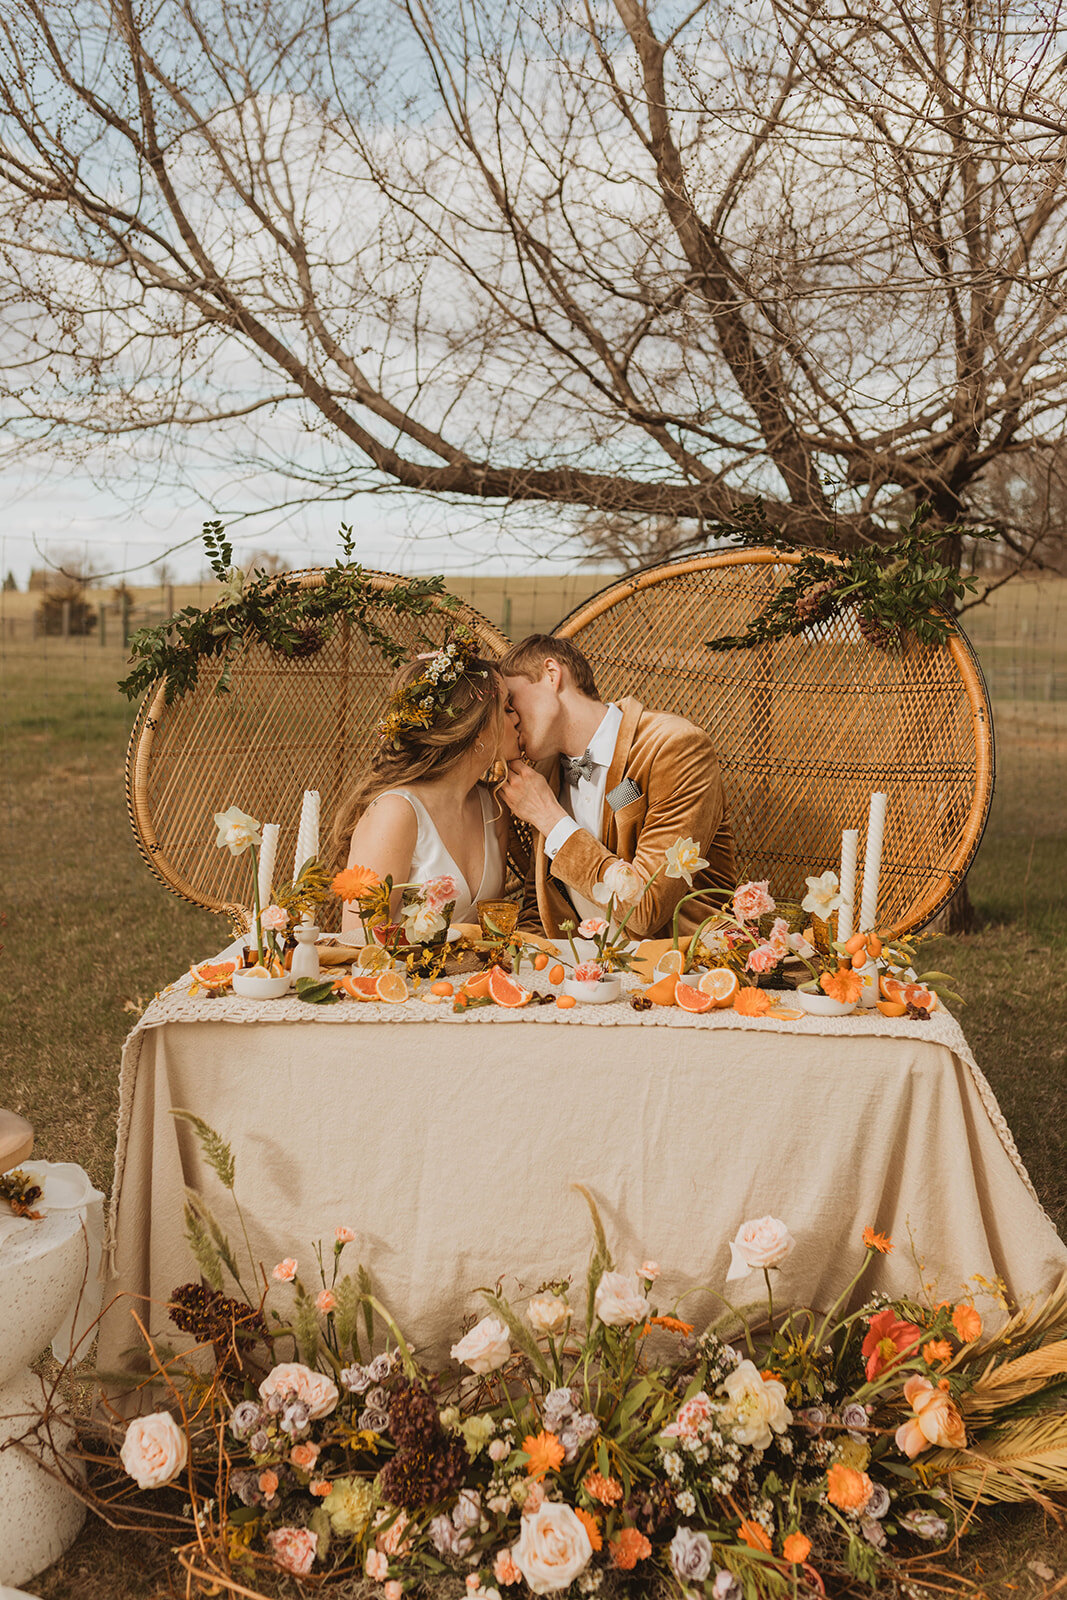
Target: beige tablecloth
{"points": [[450, 1145]]}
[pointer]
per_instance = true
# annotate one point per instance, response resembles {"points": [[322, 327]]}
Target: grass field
{"points": [[89, 935]]}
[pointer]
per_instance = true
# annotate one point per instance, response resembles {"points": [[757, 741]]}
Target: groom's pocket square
{"points": [[624, 794]]}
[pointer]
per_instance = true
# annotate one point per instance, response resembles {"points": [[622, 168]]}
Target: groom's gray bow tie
{"points": [[575, 767]]}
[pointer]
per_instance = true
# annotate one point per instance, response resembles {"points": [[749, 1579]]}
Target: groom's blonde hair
{"points": [[527, 660]]}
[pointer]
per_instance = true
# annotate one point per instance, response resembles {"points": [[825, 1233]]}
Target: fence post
{"points": [[125, 620], [101, 623], [168, 600], [66, 619]]}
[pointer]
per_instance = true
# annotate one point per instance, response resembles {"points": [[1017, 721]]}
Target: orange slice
{"points": [[477, 987], [504, 991], [670, 961], [391, 988], [722, 985], [662, 993], [214, 975], [891, 1008], [691, 999], [915, 994], [891, 987], [361, 986], [372, 958]]}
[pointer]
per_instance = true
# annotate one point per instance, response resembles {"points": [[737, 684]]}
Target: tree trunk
{"points": [[958, 917]]}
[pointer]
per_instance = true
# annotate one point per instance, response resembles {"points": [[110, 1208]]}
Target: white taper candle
{"points": [[850, 847], [872, 864], [268, 853], [307, 834]]}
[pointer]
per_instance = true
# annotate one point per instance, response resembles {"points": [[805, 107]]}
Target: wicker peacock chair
{"points": [[807, 727], [285, 726]]}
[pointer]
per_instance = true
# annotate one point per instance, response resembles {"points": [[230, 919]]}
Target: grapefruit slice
{"points": [[391, 988], [504, 991], [361, 986], [891, 987], [213, 975], [691, 999], [721, 984]]}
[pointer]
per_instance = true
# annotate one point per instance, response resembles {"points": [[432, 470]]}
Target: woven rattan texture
{"points": [[285, 726], [807, 727]]}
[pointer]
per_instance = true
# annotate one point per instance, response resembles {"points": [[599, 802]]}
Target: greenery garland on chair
{"points": [[895, 589], [278, 611]]}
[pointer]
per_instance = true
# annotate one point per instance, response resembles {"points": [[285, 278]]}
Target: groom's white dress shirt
{"points": [[585, 799]]}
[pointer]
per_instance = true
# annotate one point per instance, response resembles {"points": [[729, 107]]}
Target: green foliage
{"points": [[195, 1203], [276, 611], [316, 991], [896, 589], [305, 1325]]}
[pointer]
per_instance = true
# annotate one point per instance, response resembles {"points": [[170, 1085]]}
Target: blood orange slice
{"points": [[361, 986], [690, 999], [721, 984], [505, 991], [916, 994]]}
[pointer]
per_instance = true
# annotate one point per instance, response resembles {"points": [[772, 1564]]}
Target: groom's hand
{"points": [[528, 796]]}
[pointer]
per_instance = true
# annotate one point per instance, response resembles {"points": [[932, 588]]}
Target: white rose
{"points": [[548, 1313], [154, 1450], [619, 1300], [485, 1348], [553, 1548], [760, 1242], [620, 882], [320, 1394], [755, 1406]]}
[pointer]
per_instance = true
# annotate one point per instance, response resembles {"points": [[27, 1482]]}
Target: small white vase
{"points": [[870, 994], [597, 993], [250, 987], [305, 962], [818, 1004]]}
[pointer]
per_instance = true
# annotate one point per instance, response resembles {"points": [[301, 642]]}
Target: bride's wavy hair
{"points": [[470, 709]]}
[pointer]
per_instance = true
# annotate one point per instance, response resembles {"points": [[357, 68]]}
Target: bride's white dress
{"points": [[432, 860]]}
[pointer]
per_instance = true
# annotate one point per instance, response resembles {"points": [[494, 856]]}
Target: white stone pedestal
{"points": [[42, 1267]]}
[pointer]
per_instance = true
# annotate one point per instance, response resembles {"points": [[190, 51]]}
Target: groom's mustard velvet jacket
{"points": [[674, 765]]}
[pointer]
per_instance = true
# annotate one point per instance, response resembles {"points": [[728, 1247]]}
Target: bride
{"points": [[422, 808]]}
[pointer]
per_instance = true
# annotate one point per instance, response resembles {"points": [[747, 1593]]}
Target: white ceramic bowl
{"points": [[250, 988], [821, 1005]]}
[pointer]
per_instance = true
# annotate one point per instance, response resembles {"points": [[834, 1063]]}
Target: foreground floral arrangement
{"points": [[589, 1430]]}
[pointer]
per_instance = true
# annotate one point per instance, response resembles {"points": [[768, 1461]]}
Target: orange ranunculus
{"points": [[845, 985], [967, 1323], [628, 1547], [848, 1488], [354, 882], [877, 1241], [751, 1002], [753, 1535], [591, 1526], [935, 1419], [545, 1453], [607, 1490], [935, 1350], [797, 1547], [888, 1340]]}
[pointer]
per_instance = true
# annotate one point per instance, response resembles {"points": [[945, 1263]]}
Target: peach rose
{"points": [[154, 1450], [592, 928], [485, 1348], [752, 900], [553, 1548], [504, 1569], [304, 1456], [847, 1487], [548, 1313], [320, 1394], [274, 919], [293, 1549], [935, 1420], [285, 1271], [619, 1301]]}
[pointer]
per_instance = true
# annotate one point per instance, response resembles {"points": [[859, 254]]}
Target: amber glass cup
{"points": [[497, 918]]}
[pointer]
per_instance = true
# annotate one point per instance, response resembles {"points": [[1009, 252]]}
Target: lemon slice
{"points": [[372, 958], [670, 961]]}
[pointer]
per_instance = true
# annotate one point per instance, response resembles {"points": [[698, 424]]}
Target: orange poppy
{"points": [[845, 986], [877, 1241], [545, 1453]]}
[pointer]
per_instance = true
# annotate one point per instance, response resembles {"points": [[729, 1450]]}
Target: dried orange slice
{"points": [[391, 988], [214, 975], [372, 958], [722, 985], [670, 961], [691, 999], [504, 991], [786, 1014], [662, 993]]}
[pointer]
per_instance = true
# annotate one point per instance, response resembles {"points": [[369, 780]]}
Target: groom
{"points": [[613, 782]]}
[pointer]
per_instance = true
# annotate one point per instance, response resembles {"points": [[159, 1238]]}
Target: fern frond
{"points": [[1012, 1381], [217, 1152], [1026, 1461]]}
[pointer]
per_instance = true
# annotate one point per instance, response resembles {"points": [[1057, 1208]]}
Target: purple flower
{"points": [[559, 1407], [814, 1417], [872, 1531], [467, 1511], [357, 1380], [245, 1485], [854, 1416], [296, 1418], [691, 1556], [374, 1421], [244, 1418], [878, 1504], [926, 1524], [378, 1399], [259, 1443]]}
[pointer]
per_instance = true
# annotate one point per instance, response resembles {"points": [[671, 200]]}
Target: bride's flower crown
{"points": [[419, 703]]}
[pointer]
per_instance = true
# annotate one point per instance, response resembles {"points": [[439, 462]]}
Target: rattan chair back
{"points": [[808, 727], [286, 725]]}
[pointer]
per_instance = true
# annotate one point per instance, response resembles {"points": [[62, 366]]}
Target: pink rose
{"points": [[320, 1394], [325, 1301], [376, 1565], [438, 892], [762, 959], [274, 919], [778, 938], [592, 928], [285, 1271], [344, 1235], [752, 900], [293, 1549], [588, 972]]}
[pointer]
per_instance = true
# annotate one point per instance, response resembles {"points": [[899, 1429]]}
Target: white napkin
{"points": [[66, 1187]]}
